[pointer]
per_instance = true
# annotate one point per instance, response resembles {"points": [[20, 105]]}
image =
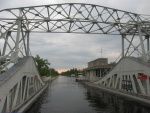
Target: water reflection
{"points": [[65, 95], [36, 107], [110, 103]]}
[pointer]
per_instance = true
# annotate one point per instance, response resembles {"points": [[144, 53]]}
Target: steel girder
{"points": [[124, 78], [21, 87], [73, 18], [17, 23]]}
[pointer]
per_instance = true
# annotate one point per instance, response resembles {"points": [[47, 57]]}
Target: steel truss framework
{"points": [[17, 23], [20, 88]]}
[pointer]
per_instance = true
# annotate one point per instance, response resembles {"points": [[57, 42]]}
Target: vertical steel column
{"points": [[133, 83], [123, 36], [141, 40], [16, 96], [28, 44], [147, 37], [21, 90], [18, 36], [120, 82], [8, 102], [6, 41]]}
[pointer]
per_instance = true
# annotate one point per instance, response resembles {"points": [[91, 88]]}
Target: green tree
{"points": [[53, 72], [42, 65]]}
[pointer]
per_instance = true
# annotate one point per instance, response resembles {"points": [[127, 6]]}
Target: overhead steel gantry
{"points": [[17, 23], [21, 84]]}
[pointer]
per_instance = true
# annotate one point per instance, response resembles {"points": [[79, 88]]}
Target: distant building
{"points": [[72, 75], [97, 68], [80, 75]]}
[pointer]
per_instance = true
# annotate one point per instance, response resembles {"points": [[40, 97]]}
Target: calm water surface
{"points": [[64, 95]]}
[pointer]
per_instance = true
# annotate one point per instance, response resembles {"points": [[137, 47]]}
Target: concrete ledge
{"points": [[145, 101]]}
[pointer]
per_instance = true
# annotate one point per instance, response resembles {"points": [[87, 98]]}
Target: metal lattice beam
{"points": [[17, 23], [75, 18]]}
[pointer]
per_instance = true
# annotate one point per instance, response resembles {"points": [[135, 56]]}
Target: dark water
{"points": [[65, 95]]}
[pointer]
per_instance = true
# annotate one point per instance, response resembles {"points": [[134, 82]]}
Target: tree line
{"points": [[43, 67], [73, 71]]}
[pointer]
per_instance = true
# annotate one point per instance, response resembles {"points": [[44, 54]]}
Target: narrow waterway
{"points": [[64, 95]]}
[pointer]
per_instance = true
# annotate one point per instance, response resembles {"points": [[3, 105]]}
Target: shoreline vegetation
{"points": [[43, 67]]}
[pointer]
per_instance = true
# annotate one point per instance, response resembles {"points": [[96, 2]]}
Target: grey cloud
{"points": [[66, 51]]}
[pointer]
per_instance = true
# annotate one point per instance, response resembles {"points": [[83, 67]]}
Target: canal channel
{"points": [[64, 95]]}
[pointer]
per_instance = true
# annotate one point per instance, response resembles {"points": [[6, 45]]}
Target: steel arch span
{"points": [[17, 23]]}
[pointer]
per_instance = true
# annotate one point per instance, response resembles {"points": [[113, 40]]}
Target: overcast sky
{"points": [[66, 51]]}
